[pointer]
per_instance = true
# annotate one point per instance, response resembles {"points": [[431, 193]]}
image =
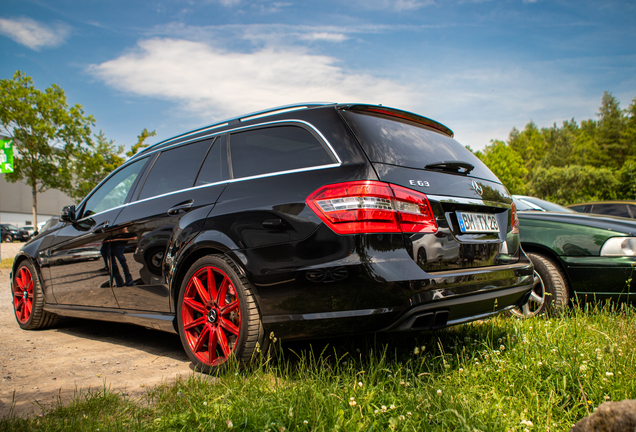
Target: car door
{"points": [[79, 257], [169, 210]]}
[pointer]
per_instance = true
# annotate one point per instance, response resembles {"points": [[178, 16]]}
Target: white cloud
{"points": [[397, 5], [325, 36], [215, 83], [34, 34]]}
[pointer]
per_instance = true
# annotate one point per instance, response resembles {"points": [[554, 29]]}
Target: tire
{"points": [[7, 239], [550, 294], [28, 299], [217, 331]]}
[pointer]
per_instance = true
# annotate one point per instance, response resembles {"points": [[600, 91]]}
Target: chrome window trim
{"points": [[255, 126], [334, 165], [247, 117], [277, 122]]}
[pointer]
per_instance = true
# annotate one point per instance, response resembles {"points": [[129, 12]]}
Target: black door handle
{"points": [[183, 207], [101, 228]]}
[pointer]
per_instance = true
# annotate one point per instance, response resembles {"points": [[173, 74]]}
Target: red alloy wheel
{"points": [[211, 315], [23, 295]]}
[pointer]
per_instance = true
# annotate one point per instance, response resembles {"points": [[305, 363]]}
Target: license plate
{"points": [[477, 222]]}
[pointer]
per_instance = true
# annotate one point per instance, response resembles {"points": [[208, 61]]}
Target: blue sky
{"points": [[478, 66]]}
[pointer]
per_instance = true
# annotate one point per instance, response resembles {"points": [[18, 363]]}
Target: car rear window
{"points": [[408, 144]]}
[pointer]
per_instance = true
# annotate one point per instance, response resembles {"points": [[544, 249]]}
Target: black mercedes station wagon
{"points": [[307, 221]]}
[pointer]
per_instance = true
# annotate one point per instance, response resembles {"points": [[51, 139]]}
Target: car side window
{"points": [[611, 209], [214, 167], [114, 191], [275, 149], [174, 169], [578, 208], [632, 210]]}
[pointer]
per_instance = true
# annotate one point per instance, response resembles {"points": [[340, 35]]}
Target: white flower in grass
{"points": [[291, 411], [402, 382], [539, 364], [401, 418], [305, 422], [609, 374], [502, 347], [360, 384], [606, 397], [527, 423], [439, 392], [408, 414], [416, 351], [376, 412], [230, 424], [352, 401], [383, 408], [583, 368], [392, 406], [461, 370]]}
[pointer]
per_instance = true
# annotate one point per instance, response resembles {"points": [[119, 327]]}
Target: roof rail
{"points": [[247, 117]]}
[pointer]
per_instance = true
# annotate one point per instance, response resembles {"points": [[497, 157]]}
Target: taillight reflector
{"points": [[372, 207]]}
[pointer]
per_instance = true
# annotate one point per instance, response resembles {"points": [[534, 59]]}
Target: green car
{"points": [[575, 255]]}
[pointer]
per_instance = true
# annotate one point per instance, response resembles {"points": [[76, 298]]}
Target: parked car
{"points": [[300, 221], [30, 230], [625, 209], [12, 233], [575, 255]]}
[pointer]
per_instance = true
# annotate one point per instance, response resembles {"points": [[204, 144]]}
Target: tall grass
{"points": [[502, 374]]}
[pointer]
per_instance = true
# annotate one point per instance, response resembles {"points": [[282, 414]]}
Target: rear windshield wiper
{"points": [[452, 166]]}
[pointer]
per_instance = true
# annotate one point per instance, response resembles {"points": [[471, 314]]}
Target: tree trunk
{"points": [[34, 208]]}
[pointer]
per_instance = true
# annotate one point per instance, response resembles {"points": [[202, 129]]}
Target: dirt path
{"points": [[38, 367]]}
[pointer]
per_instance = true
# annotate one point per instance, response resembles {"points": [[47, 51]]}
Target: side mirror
{"points": [[68, 214]]}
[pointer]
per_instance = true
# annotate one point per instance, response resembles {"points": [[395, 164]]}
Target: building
{"points": [[16, 203]]}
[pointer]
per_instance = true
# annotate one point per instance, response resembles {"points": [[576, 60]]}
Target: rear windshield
{"points": [[403, 143]]}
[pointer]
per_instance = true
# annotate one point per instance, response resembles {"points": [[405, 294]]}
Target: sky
{"points": [[481, 67]]}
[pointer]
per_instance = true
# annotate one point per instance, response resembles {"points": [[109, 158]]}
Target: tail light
{"points": [[372, 207], [514, 222]]}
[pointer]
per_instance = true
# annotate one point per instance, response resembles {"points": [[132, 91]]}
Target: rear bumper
{"points": [[445, 313]]}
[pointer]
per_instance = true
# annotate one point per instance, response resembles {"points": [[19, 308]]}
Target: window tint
{"points": [[214, 168], [578, 208], [632, 209], [407, 144], [174, 169], [611, 209], [275, 149], [114, 191]]}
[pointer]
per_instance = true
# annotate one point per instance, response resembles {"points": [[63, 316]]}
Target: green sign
{"points": [[6, 156]]}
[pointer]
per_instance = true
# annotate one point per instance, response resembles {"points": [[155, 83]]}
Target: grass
{"points": [[6, 263], [542, 374]]}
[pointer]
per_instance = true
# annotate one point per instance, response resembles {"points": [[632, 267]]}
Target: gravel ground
{"points": [[38, 368]]}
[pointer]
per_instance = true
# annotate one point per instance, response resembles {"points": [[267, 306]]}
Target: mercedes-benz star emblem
{"points": [[477, 187]]}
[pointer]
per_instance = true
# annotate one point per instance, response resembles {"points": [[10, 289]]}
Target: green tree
{"points": [[46, 133], [141, 138], [94, 161], [611, 125], [90, 164], [574, 184], [529, 144], [506, 164]]}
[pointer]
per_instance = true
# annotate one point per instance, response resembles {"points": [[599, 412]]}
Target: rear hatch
{"points": [[472, 209]]}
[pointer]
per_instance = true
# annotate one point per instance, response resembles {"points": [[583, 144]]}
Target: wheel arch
{"points": [[553, 256]]}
